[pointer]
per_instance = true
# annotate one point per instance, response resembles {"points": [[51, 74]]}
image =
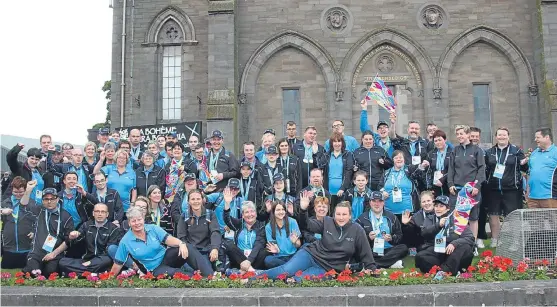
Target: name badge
{"points": [[397, 195], [247, 252], [38, 194], [499, 171], [308, 161], [437, 176], [440, 244], [287, 184], [229, 235], [49, 243], [379, 246], [214, 174], [416, 160]]}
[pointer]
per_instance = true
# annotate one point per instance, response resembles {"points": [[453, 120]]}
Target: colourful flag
{"points": [[464, 204], [381, 94]]}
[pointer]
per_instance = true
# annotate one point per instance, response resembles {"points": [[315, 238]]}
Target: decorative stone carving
{"points": [[242, 98], [339, 95], [533, 89], [385, 63], [437, 93], [171, 32], [336, 19], [432, 17]]}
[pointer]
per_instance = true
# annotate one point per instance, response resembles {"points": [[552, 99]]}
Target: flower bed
{"points": [[490, 268]]}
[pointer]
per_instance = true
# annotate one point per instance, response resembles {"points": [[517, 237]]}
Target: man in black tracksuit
{"points": [[221, 162], [374, 161], [467, 164], [97, 234], [150, 174], [414, 146], [383, 225], [109, 197], [55, 224], [307, 151]]}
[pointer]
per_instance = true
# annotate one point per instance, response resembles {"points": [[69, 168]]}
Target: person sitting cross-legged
{"points": [[384, 233]]}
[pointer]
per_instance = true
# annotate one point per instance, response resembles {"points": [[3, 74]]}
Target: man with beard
{"points": [[307, 153]]}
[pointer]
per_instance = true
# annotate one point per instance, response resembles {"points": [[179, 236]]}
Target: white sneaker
{"points": [[397, 265], [476, 254], [480, 243], [493, 243], [129, 272]]}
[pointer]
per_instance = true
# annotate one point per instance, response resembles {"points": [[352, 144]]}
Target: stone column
{"points": [[221, 102]]}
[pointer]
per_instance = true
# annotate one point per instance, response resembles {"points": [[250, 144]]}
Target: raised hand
{"points": [[304, 200], [406, 217]]}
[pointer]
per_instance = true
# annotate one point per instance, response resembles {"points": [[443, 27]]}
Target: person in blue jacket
{"points": [[351, 143], [283, 236], [216, 202]]}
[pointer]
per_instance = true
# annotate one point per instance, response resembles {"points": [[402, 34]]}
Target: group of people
{"points": [[287, 205]]}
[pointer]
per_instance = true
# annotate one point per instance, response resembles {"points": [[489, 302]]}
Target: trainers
{"points": [[412, 252], [129, 272], [493, 243], [476, 254], [439, 276], [480, 243], [397, 265], [229, 272]]}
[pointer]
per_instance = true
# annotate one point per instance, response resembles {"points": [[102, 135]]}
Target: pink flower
{"points": [[466, 275], [41, 278]]}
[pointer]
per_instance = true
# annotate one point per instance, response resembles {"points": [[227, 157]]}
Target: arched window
{"points": [[170, 37]]}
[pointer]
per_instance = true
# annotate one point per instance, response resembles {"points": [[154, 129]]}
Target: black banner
{"points": [[151, 132]]}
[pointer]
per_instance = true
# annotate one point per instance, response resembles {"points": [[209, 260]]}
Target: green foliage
{"points": [[106, 88]]}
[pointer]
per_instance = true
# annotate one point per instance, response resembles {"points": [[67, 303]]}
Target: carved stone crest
{"points": [[432, 17], [339, 95], [242, 98], [385, 63], [171, 32], [337, 19], [437, 93], [533, 89]]}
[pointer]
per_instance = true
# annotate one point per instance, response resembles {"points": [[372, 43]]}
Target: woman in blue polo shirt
{"points": [[122, 178], [337, 165], [283, 236], [144, 243]]}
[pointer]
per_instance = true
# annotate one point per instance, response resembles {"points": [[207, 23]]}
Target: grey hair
{"points": [[110, 145], [90, 144], [134, 212], [248, 205], [148, 154]]}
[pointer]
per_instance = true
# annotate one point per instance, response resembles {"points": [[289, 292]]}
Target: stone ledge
{"points": [[514, 293]]}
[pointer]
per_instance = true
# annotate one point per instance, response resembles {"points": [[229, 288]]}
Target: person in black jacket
{"points": [[358, 196], [321, 205], [83, 170], [199, 227], [414, 146], [109, 197], [5, 181], [222, 163], [19, 214], [52, 178], [384, 233], [447, 249], [279, 186], [52, 228], [373, 160], [148, 174], [97, 234], [412, 224], [269, 169], [28, 170], [341, 241], [314, 189], [439, 158], [247, 250], [504, 164], [251, 185], [291, 167], [338, 167], [306, 151]]}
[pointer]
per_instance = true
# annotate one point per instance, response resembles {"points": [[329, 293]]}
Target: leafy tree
{"points": [[106, 88]]}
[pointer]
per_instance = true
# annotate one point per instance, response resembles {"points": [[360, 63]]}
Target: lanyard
{"points": [[271, 174], [213, 159], [385, 145], [135, 152], [375, 222], [316, 190], [100, 197], [274, 197], [245, 193], [506, 156], [247, 240], [446, 226], [398, 178], [285, 165], [47, 220], [308, 154], [15, 210], [157, 218], [440, 163], [413, 147]]}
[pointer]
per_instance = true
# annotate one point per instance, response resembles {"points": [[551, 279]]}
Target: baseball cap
{"points": [[216, 134], [172, 134], [245, 163], [271, 131], [34, 152], [208, 141], [234, 183], [57, 148], [51, 191], [442, 199], [271, 150], [376, 195], [104, 131], [189, 176], [278, 177], [382, 123]]}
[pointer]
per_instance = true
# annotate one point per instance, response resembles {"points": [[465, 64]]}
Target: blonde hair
{"points": [[90, 144], [427, 193], [464, 127]]}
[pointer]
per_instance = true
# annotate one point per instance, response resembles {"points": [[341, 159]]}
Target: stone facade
{"points": [[238, 56]]}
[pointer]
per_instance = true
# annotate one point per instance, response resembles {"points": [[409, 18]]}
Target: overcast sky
{"points": [[54, 59]]}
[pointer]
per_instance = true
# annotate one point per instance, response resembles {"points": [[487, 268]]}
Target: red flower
{"points": [[412, 270], [181, 276], [395, 275], [282, 276], [361, 274], [20, 281], [19, 274], [471, 269], [482, 271], [434, 270], [197, 276], [27, 275], [545, 262], [160, 276], [307, 277], [507, 261], [53, 276], [72, 275], [105, 276], [320, 276], [522, 267], [332, 272], [299, 273], [86, 273], [233, 276], [248, 275], [503, 268], [487, 253], [149, 275]]}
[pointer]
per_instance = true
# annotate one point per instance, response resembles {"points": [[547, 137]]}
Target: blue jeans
{"points": [[273, 261], [112, 253], [301, 261]]}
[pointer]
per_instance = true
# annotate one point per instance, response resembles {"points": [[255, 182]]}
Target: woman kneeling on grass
{"points": [[341, 241]]}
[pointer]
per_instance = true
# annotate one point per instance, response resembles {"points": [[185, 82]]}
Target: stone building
{"points": [[247, 65]]}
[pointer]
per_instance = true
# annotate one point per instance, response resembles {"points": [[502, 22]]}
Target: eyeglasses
{"points": [[100, 181], [99, 211], [337, 125], [49, 200]]}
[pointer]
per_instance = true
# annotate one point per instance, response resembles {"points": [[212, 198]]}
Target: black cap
{"points": [[376, 195], [271, 150], [234, 183], [189, 176], [34, 152], [172, 134], [208, 141], [51, 191], [278, 177], [57, 148], [442, 199], [245, 163], [271, 131], [216, 134], [382, 123], [104, 131]]}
